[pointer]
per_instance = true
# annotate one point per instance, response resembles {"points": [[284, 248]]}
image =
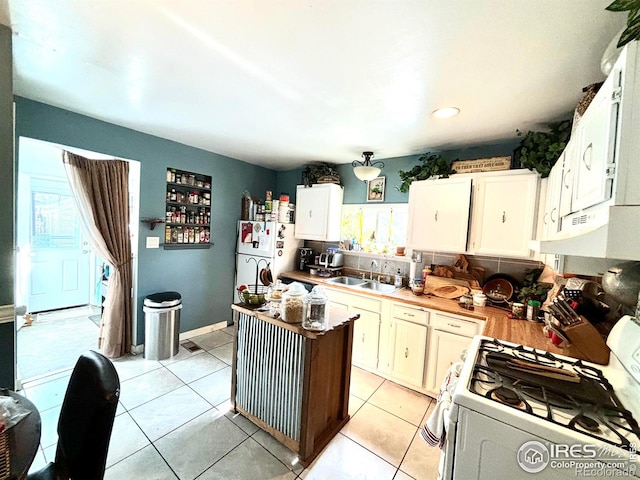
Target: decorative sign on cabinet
{"points": [[188, 210]]}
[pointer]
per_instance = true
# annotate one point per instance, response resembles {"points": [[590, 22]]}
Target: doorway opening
{"points": [[60, 282]]}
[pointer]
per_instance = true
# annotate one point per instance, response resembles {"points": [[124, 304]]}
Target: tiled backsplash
{"points": [[390, 264]]}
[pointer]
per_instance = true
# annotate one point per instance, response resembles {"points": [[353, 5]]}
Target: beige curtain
{"points": [[100, 189]]}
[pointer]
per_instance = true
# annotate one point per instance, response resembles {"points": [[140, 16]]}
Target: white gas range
{"points": [[565, 419]]}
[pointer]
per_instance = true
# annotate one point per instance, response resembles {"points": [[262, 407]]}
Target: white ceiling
{"points": [[282, 83]]}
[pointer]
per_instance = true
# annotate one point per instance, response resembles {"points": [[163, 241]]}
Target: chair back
{"points": [[86, 418]]}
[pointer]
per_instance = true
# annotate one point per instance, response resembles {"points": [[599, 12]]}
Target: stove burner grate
{"points": [[585, 422], [589, 407]]}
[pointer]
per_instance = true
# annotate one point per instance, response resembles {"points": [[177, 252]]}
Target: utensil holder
{"points": [[585, 338]]}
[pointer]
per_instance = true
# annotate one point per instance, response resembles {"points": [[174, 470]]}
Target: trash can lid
{"points": [[163, 299]]}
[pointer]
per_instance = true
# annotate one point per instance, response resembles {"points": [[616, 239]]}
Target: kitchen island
{"points": [[291, 382]]}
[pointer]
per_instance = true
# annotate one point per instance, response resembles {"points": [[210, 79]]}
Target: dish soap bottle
{"points": [[397, 281]]}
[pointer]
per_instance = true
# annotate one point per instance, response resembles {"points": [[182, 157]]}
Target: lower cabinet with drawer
{"points": [[408, 344], [450, 336]]}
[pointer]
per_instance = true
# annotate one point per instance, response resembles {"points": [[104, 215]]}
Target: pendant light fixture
{"points": [[367, 170]]}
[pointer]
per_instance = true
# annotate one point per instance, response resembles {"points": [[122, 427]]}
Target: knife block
{"points": [[586, 339]]}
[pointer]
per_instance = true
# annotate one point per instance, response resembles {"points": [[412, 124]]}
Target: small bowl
{"points": [[417, 289]]}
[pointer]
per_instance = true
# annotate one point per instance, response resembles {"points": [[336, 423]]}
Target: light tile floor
{"points": [[174, 422]]}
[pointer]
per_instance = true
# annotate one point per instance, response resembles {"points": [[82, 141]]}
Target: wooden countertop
{"points": [[336, 319], [497, 323]]}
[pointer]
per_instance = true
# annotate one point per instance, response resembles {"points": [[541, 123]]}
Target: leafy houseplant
{"points": [[312, 173], [531, 289], [430, 165], [541, 150], [632, 32]]}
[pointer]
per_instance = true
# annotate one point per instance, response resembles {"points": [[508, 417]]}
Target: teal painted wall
{"points": [[355, 191], [203, 277], [7, 330]]}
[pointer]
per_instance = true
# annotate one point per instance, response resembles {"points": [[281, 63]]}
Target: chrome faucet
{"points": [[373, 264]]}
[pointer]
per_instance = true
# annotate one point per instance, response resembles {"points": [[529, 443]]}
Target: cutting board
{"points": [[445, 287]]}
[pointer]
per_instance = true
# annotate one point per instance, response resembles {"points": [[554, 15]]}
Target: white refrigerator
{"points": [[264, 245]]}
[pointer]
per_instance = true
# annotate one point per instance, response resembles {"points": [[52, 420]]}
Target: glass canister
{"points": [[315, 309], [292, 303]]}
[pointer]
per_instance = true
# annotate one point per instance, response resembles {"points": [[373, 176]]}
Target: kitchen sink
{"points": [[377, 287], [347, 281], [362, 284]]}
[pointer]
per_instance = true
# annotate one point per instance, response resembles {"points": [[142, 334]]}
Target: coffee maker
{"points": [[305, 258]]}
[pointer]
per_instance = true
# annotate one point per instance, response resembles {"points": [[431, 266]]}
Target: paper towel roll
{"points": [[413, 266]]}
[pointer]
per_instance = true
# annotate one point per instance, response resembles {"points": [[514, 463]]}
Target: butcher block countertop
{"points": [[497, 323]]}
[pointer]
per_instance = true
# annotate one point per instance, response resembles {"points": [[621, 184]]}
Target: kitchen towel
{"points": [[433, 432]]}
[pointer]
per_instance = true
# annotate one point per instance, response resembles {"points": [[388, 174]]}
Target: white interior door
{"points": [[58, 255]]}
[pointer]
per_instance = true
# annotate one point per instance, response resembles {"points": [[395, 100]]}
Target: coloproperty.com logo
{"points": [[583, 460]]}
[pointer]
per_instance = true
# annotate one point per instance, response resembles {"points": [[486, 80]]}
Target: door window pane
{"points": [[54, 221]]}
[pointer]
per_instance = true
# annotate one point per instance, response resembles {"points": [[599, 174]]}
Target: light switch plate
{"points": [[153, 242]]}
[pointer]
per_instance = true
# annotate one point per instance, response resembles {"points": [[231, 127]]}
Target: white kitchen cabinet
{"points": [[403, 344], [366, 332], [504, 214], [409, 352], [439, 214], [450, 335], [551, 216], [567, 167], [596, 143], [365, 339], [318, 211]]}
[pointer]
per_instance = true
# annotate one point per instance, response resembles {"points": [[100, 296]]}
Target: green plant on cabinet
{"points": [[540, 150], [431, 165]]}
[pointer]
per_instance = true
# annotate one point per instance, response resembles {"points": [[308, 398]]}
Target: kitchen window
{"points": [[374, 228]]}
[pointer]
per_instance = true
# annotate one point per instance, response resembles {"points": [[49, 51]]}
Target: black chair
{"points": [[86, 421]]}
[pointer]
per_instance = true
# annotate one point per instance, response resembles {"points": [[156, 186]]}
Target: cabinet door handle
{"points": [[310, 213], [409, 314], [504, 216], [554, 219], [406, 352], [546, 215], [435, 217], [566, 176], [584, 156], [453, 325], [363, 338]]}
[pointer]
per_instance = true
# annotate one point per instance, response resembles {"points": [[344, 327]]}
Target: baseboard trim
{"points": [[7, 313], [202, 330]]}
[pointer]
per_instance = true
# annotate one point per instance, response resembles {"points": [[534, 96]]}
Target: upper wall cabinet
{"points": [[439, 214], [595, 163], [504, 214], [318, 211], [499, 207], [600, 198]]}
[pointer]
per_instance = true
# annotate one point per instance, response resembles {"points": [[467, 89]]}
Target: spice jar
{"points": [[479, 299], [517, 309], [466, 301], [314, 311], [292, 303], [533, 306]]}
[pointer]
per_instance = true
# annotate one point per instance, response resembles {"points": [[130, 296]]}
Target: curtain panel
{"points": [[100, 189]]}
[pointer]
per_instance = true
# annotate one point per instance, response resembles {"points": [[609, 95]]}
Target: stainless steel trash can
{"points": [[161, 325]]}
